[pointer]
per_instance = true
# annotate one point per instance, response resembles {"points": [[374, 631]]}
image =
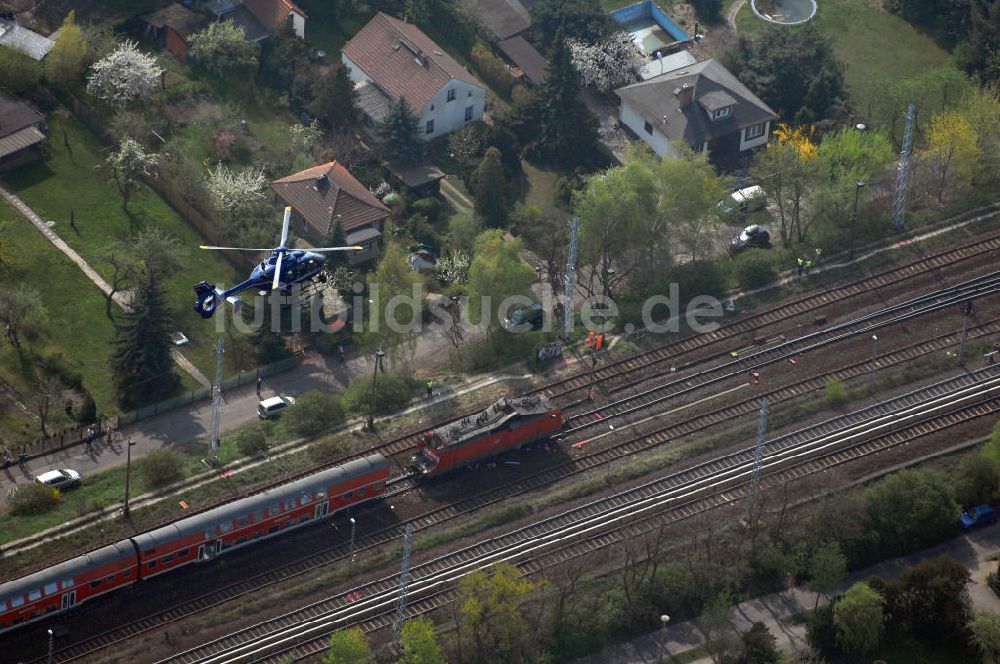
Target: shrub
{"points": [[430, 208], [252, 440], [422, 231], [33, 499], [394, 392], [162, 467], [709, 11], [993, 580], [88, 410], [492, 70], [314, 413], [836, 393], [328, 449], [753, 269]]}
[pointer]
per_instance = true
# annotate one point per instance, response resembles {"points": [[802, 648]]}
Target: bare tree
{"points": [[22, 313], [127, 165], [45, 391]]}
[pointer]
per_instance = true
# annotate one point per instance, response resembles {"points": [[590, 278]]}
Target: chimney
{"points": [[684, 94]]}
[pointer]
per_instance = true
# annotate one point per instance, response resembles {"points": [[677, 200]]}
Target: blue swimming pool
{"points": [[649, 26]]}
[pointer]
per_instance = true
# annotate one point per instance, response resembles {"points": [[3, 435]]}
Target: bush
{"points": [[314, 413], [423, 232], [993, 580], [430, 208], [33, 499], [709, 11], [328, 450], [252, 440], [162, 467], [57, 366], [394, 392], [492, 70], [88, 410], [753, 269], [836, 393]]}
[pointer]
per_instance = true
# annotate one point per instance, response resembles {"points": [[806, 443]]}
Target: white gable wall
{"points": [[450, 115], [657, 141], [754, 142], [298, 24]]}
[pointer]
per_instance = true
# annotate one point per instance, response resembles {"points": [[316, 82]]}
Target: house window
{"points": [[430, 127], [451, 94], [722, 113], [648, 127], [468, 113], [755, 131]]}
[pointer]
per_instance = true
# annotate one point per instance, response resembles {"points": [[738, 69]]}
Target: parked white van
{"points": [[745, 200], [273, 406]]}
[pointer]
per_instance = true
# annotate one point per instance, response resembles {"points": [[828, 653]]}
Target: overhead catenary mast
{"points": [[567, 307], [213, 454], [903, 172]]}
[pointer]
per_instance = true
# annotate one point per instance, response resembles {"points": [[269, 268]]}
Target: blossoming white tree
{"points": [[124, 75], [236, 191], [127, 164], [607, 64]]}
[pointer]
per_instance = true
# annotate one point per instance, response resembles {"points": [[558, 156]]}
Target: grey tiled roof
{"points": [[656, 102]]}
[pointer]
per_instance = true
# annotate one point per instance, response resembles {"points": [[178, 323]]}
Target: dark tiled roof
{"points": [[525, 56], [505, 18], [403, 60], [271, 13], [15, 115], [252, 28], [184, 21], [654, 100], [322, 192], [715, 100]]}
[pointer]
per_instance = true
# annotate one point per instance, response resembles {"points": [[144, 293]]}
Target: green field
{"points": [[866, 39], [71, 181]]}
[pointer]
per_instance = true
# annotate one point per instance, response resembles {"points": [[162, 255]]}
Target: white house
{"points": [[389, 59], [701, 105]]}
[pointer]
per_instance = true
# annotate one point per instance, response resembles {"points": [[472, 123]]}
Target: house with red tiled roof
{"points": [[389, 59], [323, 195]]}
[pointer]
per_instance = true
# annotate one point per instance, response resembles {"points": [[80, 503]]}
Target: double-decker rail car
{"points": [[507, 424], [67, 584], [196, 538], [204, 536]]}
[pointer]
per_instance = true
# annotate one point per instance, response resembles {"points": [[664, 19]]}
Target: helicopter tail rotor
{"points": [[207, 300]]}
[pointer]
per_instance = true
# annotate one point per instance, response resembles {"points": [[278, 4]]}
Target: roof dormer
{"points": [[718, 105]]}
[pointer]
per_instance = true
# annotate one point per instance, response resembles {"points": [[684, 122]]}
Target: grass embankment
{"points": [[71, 181]]}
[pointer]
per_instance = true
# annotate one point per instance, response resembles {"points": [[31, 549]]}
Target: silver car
{"points": [[59, 479]]}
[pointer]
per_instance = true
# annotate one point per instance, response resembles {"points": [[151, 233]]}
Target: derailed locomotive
{"points": [[508, 424]]}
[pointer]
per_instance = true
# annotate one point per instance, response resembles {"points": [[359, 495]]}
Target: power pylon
{"points": [[404, 582], [213, 453], [903, 172], [567, 308]]}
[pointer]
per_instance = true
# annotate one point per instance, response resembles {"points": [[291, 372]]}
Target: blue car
{"points": [[978, 516]]}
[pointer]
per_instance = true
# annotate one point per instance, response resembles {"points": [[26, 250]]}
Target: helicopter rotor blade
{"points": [[277, 273], [355, 248], [203, 246], [284, 226]]}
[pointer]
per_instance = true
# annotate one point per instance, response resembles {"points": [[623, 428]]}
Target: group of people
{"points": [[7, 459], [805, 263]]}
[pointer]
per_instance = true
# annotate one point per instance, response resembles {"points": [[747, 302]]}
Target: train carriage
{"points": [[63, 586], [204, 536], [505, 425]]}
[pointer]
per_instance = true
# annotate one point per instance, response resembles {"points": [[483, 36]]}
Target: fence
{"points": [[69, 437], [205, 392]]}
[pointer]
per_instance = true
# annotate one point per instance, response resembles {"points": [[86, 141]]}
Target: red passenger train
{"points": [[197, 538], [508, 424], [505, 425]]}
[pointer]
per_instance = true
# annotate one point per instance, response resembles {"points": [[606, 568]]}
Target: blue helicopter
{"points": [[278, 272]]}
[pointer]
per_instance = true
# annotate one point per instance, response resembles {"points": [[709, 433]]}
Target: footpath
{"points": [[782, 612]]}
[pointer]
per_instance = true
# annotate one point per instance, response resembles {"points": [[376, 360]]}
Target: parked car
{"points": [[273, 406], [744, 201], [532, 316], [61, 479], [755, 236], [978, 516]]}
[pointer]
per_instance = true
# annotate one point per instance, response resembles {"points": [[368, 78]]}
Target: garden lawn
{"points": [[71, 181], [866, 39], [327, 29], [78, 328]]}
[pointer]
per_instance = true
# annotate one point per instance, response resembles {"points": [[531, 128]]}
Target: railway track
{"points": [[601, 523], [573, 467], [402, 444]]}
